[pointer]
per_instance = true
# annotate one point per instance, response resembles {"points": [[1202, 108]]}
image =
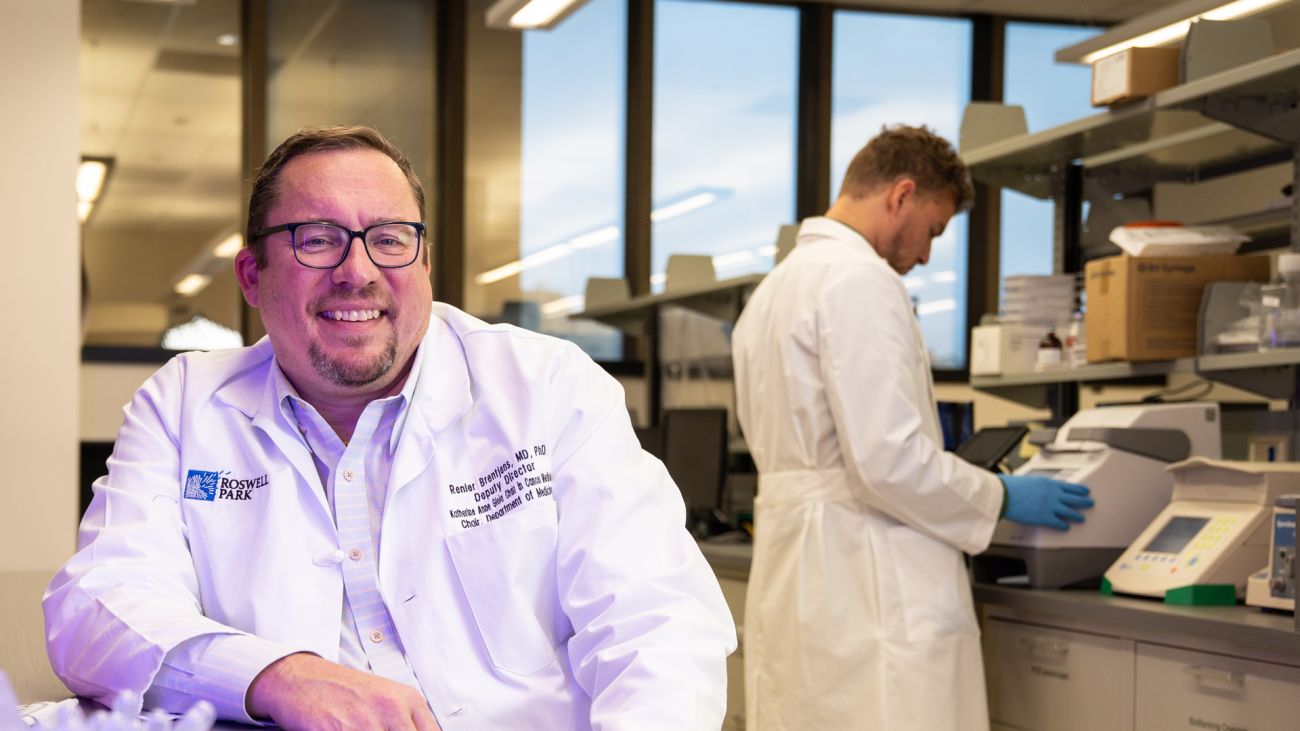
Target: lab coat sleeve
{"points": [[651, 631], [130, 595], [871, 356]]}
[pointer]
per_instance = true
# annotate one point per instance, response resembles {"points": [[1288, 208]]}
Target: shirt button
{"points": [[348, 475], [376, 637], [355, 554]]}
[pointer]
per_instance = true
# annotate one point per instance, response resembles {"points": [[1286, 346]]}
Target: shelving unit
{"points": [[1230, 122], [639, 316], [721, 299], [1271, 374]]}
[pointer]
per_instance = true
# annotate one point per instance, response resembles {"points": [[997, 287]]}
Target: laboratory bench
{"points": [[1075, 659]]}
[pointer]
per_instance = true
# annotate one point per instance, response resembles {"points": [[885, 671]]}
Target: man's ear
{"points": [[902, 190], [247, 274]]}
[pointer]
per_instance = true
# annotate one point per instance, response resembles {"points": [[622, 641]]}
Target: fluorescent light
{"points": [[945, 277], [1167, 33], [733, 259], [192, 284], [529, 14], [91, 175], [682, 207], [90, 179], [769, 250], [228, 40], [200, 333], [603, 235], [936, 306], [1157, 37], [563, 305], [228, 247], [595, 238]]}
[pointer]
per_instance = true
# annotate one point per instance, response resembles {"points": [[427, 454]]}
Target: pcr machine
{"points": [[1120, 453], [1206, 542]]}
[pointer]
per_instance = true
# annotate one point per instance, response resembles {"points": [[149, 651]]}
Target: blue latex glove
{"points": [[1039, 500]]}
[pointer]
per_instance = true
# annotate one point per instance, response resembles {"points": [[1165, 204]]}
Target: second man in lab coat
{"points": [[859, 611]]}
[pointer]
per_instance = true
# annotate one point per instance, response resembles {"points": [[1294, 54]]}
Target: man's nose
{"points": [[356, 268]]}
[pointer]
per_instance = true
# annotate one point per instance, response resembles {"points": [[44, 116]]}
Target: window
{"points": [[1051, 94], [870, 88], [724, 133], [545, 174]]}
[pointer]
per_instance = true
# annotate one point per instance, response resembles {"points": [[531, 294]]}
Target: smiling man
{"points": [[859, 613], [434, 522]]}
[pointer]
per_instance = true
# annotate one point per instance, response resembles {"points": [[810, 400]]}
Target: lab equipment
{"points": [[1043, 501], [1273, 587], [1204, 544], [1120, 453], [988, 446], [1280, 323]]}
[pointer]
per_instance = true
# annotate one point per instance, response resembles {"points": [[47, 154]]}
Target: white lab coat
{"points": [[586, 608], [859, 612]]}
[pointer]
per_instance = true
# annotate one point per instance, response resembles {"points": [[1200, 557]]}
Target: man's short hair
{"points": [[909, 152], [316, 139]]}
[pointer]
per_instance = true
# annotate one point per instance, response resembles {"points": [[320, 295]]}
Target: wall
{"points": [[38, 375]]}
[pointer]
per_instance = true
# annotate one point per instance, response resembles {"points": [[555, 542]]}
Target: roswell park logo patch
{"points": [[210, 486]]}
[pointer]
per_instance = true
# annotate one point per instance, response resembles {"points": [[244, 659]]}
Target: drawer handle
{"points": [[1046, 647], [1215, 676]]}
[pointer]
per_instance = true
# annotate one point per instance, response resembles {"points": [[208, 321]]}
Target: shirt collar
{"points": [[286, 395]]}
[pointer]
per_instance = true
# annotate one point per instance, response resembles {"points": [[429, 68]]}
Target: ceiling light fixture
{"points": [[1161, 27], [92, 176], [228, 40], [529, 14], [192, 284], [229, 246], [603, 235]]}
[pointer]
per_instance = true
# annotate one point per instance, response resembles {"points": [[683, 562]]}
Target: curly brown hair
{"points": [[315, 139], [918, 153]]}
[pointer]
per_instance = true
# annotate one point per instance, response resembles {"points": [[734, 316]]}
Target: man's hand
{"points": [[304, 691]]}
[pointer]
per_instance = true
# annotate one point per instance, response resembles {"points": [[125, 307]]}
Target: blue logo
{"points": [[201, 485]]}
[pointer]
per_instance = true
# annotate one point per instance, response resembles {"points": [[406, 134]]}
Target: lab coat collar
{"points": [[438, 387], [822, 228]]}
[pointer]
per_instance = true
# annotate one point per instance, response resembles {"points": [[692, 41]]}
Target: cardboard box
{"points": [[1132, 74], [1146, 308], [1004, 348]]}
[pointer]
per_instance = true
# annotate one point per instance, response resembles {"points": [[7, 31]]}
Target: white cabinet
{"points": [[1042, 679], [1181, 689]]}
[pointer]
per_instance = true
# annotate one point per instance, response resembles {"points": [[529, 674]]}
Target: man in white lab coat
{"points": [[387, 514], [859, 613]]}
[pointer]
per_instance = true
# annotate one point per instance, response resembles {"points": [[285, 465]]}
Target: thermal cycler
{"points": [[1120, 453], [1214, 532]]}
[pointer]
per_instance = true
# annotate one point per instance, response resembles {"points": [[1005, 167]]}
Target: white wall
{"points": [[41, 295]]}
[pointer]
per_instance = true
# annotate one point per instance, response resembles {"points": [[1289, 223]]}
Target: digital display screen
{"points": [[1178, 532]]}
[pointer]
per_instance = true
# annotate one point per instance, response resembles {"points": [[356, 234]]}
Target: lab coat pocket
{"points": [[507, 570], [932, 586]]}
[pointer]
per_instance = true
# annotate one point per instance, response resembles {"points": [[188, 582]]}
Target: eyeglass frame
{"points": [[293, 227]]}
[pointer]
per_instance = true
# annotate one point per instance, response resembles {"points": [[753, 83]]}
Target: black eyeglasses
{"points": [[389, 245]]}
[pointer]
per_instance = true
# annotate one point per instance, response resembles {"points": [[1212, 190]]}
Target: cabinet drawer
{"points": [[1181, 689], [1053, 680]]}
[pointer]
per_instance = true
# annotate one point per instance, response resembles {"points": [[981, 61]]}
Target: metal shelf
{"points": [[718, 299], [1170, 136], [1271, 374]]}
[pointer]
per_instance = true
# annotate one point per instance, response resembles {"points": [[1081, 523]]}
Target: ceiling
{"points": [[161, 97]]}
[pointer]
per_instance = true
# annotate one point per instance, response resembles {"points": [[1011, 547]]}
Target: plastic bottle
{"points": [[1280, 321], [1076, 345], [1049, 352]]}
